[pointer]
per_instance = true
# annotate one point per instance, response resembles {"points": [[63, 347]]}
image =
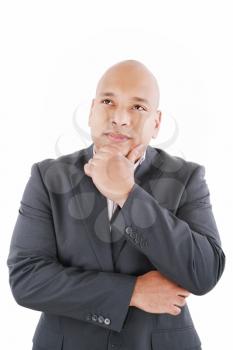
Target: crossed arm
{"points": [[40, 282]]}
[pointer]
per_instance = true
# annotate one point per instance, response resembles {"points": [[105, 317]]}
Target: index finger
{"points": [[183, 292]]}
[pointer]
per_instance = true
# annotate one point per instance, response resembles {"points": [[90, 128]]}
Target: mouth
{"points": [[117, 137]]}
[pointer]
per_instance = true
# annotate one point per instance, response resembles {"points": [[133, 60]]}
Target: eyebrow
{"points": [[136, 98]]}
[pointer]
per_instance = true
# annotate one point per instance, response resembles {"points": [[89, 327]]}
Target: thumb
{"points": [[136, 152]]}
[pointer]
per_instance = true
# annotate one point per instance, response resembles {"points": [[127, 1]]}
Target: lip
{"points": [[117, 137]]}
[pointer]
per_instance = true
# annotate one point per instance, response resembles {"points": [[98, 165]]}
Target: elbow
{"points": [[201, 291], [210, 278], [18, 293], [22, 297], [19, 286]]}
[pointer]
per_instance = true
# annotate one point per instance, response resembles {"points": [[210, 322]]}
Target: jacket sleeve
{"points": [[185, 247], [40, 282]]}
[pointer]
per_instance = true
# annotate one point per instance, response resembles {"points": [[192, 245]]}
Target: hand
{"points": [[112, 172], [156, 294]]}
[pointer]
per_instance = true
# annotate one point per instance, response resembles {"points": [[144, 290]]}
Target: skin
{"points": [[112, 166], [120, 113]]}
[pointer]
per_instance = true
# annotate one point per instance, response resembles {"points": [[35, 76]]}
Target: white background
{"points": [[52, 55]]}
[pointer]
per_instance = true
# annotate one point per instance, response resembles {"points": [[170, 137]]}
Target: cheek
{"points": [[145, 129], [101, 111], [100, 114], [98, 123]]}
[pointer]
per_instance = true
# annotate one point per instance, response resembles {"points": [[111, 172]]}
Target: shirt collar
{"points": [[138, 162]]}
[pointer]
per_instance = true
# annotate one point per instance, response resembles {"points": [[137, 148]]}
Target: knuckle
{"points": [[184, 292], [175, 310], [182, 301], [118, 154]]}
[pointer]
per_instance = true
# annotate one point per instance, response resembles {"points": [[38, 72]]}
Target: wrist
{"points": [[135, 291], [122, 200]]}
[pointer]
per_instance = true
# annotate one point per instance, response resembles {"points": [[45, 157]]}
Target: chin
{"points": [[124, 148]]}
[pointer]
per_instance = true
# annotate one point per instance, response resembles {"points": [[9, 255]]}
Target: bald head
{"points": [[128, 74], [126, 102]]}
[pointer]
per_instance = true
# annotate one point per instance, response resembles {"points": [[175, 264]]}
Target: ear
{"points": [[157, 123], [92, 104]]}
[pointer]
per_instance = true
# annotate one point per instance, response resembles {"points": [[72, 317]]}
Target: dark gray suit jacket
{"points": [[60, 260]]}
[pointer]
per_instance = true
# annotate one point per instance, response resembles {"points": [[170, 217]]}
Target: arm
{"points": [[40, 282], [185, 247]]}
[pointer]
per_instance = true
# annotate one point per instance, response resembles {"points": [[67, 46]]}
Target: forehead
{"points": [[131, 97], [126, 81], [128, 86]]}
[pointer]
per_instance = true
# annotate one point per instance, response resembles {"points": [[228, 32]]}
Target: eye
{"points": [[106, 99], [143, 109]]}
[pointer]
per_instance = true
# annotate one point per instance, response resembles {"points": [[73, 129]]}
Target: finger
{"points": [[88, 167], [175, 310], [92, 162], [136, 153], [180, 301], [183, 292]]}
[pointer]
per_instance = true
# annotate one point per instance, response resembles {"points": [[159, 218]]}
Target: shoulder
{"points": [[66, 162], [171, 165], [57, 174], [179, 181]]}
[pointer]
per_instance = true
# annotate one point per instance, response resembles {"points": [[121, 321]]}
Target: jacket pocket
{"points": [[47, 339], [176, 339]]}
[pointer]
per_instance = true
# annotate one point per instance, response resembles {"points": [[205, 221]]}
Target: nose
{"points": [[120, 117]]}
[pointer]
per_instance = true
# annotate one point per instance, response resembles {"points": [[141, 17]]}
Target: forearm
{"points": [[45, 285], [38, 278], [188, 255]]}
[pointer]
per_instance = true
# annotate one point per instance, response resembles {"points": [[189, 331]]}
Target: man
{"points": [[111, 240]]}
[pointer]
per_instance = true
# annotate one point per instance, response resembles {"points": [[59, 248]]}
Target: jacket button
{"points": [[132, 235], [107, 321], [94, 317], [142, 243], [128, 230], [88, 317], [100, 319]]}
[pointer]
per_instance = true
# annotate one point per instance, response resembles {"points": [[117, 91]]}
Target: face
{"points": [[125, 104]]}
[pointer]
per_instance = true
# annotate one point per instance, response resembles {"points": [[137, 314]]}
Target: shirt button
{"points": [[100, 319], [128, 230], [94, 317], [107, 321]]}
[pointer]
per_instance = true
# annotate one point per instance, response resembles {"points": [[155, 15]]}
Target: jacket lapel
{"points": [[150, 166], [95, 214], [93, 208]]}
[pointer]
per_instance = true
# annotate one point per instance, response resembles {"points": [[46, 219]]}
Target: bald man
{"points": [[111, 240]]}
